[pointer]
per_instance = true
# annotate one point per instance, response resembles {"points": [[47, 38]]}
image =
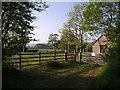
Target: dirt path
{"points": [[70, 78], [71, 75], [89, 77]]}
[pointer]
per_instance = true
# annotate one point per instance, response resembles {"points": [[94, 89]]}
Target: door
{"points": [[103, 48]]}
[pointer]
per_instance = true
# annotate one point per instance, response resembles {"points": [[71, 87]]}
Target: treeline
{"points": [[66, 44], [40, 46]]}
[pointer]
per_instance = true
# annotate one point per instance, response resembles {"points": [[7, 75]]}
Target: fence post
{"points": [[55, 55], [74, 55], [65, 55], [40, 57], [20, 61]]}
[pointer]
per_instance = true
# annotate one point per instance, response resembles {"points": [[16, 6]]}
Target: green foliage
{"points": [[107, 23], [107, 14], [53, 40], [16, 28], [87, 46], [104, 0], [68, 40], [42, 46], [109, 78], [73, 33]]}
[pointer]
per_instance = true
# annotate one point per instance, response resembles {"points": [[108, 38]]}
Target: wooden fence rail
{"points": [[38, 58]]}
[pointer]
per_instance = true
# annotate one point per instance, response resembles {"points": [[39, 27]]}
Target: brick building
{"points": [[99, 45]]}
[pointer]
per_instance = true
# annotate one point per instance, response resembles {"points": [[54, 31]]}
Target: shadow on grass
{"points": [[67, 76]]}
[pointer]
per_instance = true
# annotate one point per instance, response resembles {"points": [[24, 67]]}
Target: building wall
{"points": [[102, 40], [96, 46]]}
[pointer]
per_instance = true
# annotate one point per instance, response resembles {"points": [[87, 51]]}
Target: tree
{"points": [[87, 47], [16, 28], [52, 40], [104, 0], [68, 40], [107, 19], [107, 22], [76, 22], [74, 32]]}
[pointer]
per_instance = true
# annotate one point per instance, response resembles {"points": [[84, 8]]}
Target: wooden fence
{"points": [[29, 59]]}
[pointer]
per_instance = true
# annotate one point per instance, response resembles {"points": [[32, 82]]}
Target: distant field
{"points": [[46, 50], [39, 56]]}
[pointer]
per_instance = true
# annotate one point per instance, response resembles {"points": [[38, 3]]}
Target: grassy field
{"points": [[36, 54], [67, 75], [46, 50]]}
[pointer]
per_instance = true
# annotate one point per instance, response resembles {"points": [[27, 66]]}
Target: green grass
{"points": [[46, 50], [29, 59], [68, 75], [108, 78]]}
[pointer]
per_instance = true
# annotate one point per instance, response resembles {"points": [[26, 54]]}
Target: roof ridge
{"points": [[98, 39]]}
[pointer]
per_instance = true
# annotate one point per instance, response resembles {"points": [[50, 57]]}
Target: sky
{"points": [[50, 21]]}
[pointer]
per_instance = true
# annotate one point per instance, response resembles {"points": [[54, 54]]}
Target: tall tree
{"points": [[68, 40], [76, 22], [16, 28], [53, 39], [107, 18], [107, 22]]}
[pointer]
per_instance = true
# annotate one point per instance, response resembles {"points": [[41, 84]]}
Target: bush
{"points": [[54, 64], [110, 77]]}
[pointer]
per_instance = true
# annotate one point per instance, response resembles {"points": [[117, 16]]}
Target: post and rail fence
{"points": [[23, 59]]}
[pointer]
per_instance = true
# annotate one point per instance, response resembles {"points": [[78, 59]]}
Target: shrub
{"points": [[110, 77], [54, 64]]}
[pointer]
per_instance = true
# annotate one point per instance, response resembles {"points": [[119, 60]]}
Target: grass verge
{"points": [[70, 75], [108, 78]]}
